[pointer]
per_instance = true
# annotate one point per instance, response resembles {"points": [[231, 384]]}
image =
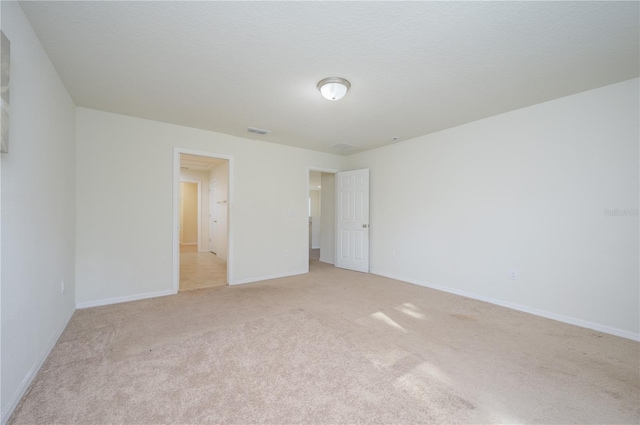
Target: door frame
{"points": [[176, 216], [306, 202], [209, 218], [199, 223]]}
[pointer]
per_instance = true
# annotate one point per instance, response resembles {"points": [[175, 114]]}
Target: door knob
{"points": [[364, 226]]}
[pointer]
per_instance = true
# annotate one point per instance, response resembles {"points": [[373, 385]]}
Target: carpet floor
{"points": [[331, 346]]}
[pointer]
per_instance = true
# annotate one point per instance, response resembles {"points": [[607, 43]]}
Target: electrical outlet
{"points": [[513, 273], [62, 286]]}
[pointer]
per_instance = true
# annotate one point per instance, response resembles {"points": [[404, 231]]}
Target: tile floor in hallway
{"points": [[200, 270]]}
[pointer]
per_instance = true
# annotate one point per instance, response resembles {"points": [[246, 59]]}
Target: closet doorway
{"points": [[321, 208]]}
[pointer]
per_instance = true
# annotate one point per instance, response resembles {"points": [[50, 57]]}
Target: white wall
{"points": [[525, 189], [221, 175], [203, 178], [189, 213], [314, 196], [38, 210], [328, 218], [118, 257], [2, 409], [315, 179]]}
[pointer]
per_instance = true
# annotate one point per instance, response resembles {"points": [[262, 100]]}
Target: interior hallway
{"points": [[199, 270]]}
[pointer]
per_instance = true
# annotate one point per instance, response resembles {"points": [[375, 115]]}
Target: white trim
{"points": [[176, 218], [199, 200], [306, 202], [212, 183], [273, 276], [126, 298], [24, 386], [322, 170], [546, 314]]}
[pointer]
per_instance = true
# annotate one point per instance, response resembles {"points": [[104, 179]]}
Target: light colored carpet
{"points": [[332, 346]]}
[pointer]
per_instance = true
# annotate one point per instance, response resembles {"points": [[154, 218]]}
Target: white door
{"points": [[352, 221], [213, 216]]}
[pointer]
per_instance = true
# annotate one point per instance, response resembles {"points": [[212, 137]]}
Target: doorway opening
{"points": [[321, 208], [201, 219]]}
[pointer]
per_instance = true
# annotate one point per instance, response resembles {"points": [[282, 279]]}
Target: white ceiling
{"points": [[414, 67]]}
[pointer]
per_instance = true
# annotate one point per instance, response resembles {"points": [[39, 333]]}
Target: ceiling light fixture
{"points": [[334, 88]]}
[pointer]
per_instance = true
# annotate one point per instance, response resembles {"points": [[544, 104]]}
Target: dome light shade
{"points": [[334, 88]]}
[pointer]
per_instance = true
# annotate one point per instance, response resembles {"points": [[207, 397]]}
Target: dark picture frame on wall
{"points": [[4, 84]]}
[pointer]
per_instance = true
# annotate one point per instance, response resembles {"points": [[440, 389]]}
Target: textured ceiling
{"points": [[414, 67]]}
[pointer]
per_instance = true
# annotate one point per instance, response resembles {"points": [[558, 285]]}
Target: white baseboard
{"points": [[124, 299], [34, 369], [560, 318], [327, 260], [315, 247], [273, 276]]}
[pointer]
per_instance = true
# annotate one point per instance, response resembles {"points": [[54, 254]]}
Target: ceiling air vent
{"points": [[343, 146], [257, 130]]}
